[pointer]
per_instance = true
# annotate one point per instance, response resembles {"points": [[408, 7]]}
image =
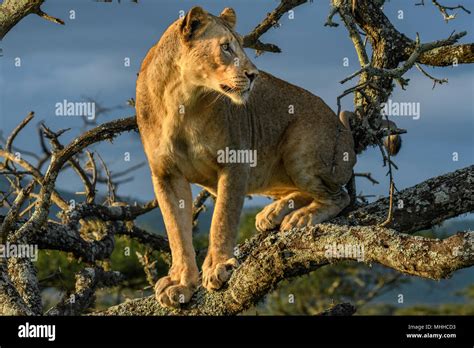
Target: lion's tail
{"points": [[392, 143]]}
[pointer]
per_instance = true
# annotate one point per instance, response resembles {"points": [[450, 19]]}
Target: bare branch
{"points": [[23, 276], [13, 11], [251, 40], [434, 79], [13, 214], [368, 176], [56, 198], [446, 55], [444, 10]]}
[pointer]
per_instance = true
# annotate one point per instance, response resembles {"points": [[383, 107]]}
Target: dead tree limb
{"points": [[13, 11], [252, 40]]}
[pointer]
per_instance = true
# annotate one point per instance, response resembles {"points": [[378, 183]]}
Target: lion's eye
{"points": [[225, 47]]}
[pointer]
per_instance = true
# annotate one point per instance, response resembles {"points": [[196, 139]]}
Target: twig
{"points": [[12, 215], [444, 10], [368, 176], [110, 185], [14, 133], [199, 206], [434, 79], [392, 184], [49, 18], [57, 199], [91, 166], [149, 267]]}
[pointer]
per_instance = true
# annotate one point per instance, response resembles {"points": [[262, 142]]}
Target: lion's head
{"points": [[213, 54]]}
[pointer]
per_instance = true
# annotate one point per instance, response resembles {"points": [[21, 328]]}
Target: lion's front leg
{"points": [[220, 260], [175, 200]]}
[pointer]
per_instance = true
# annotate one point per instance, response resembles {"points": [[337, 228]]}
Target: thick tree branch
{"points": [[269, 258], [447, 55], [13, 11], [23, 276], [68, 238], [11, 302], [281, 255], [424, 205]]}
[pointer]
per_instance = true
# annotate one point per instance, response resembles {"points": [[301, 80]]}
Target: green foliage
{"points": [[57, 269], [247, 225]]}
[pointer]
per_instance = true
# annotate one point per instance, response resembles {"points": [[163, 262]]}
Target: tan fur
{"points": [[303, 159]]}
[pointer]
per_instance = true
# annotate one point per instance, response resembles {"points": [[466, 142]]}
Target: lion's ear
{"points": [[229, 16], [192, 22]]}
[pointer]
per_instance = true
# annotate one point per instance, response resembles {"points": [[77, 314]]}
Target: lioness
{"points": [[198, 94]]}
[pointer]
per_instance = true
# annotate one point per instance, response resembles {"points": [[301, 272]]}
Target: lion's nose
{"points": [[251, 75]]}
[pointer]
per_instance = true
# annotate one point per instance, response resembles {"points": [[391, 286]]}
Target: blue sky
{"points": [[85, 58]]}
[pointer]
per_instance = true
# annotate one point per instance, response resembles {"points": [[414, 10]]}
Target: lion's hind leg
{"points": [[325, 205]]}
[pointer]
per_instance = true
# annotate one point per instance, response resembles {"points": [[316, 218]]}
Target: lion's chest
{"points": [[192, 156]]}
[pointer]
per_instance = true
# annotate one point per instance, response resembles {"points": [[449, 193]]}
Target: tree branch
{"points": [[13, 11], [251, 40], [266, 259], [11, 302], [446, 56]]}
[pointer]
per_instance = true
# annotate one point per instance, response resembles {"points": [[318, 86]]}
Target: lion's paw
{"points": [[170, 293], [304, 217], [270, 217], [215, 275]]}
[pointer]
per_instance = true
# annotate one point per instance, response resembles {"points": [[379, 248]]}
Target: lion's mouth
{"points": [[226, 88], [229, 89]]}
